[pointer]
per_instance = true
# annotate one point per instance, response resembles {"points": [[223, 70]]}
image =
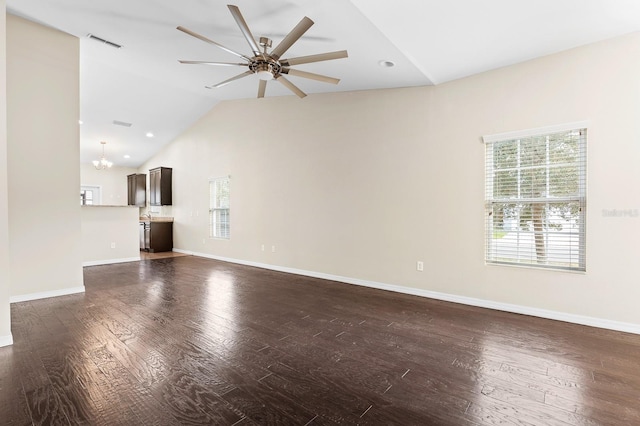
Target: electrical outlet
{"points": [[420, 266], [262, 247], [273, 249], [113, 245], [204, 241]]}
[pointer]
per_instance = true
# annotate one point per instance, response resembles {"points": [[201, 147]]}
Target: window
{"points": [[535, 197], [219, 214], [89, 195], [86, 197]]}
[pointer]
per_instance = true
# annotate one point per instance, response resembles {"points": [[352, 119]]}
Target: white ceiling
{"points": [[430, 42]]}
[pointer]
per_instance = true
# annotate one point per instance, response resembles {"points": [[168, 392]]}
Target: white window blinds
{"points": [[219, 212], [536, 198]]}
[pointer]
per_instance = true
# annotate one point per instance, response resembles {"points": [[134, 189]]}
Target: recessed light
{"points": [[386, 64], [127, 156], [149, 134]]}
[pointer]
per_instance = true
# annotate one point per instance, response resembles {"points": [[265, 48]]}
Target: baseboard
{"points": [[481, 303], [6, 340], [46, 294], [186, 252], [110, 261]]}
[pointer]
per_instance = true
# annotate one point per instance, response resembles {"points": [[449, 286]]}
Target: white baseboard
{"points": [[6, 340], [482, 303], [46, 294], [110, 261], [186, 252]]}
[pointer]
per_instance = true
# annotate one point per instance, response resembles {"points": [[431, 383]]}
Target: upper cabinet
{"points": [[160, 186], [137, 190]]}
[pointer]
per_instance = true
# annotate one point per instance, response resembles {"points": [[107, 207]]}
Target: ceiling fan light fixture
{"points": [[264, 71], [265, 75]]}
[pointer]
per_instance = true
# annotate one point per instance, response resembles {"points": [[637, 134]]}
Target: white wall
{"points": [[362, 185], [43, 157], [5, 311], [110, 235], [112, 182]]}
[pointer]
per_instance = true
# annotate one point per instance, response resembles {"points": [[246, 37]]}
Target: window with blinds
{"points": [[219, 213], [536, 198]]}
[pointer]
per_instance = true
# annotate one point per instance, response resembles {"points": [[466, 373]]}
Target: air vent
{"points": [[122, 123], [107, 42]]}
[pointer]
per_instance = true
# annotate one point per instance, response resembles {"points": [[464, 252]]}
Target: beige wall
{"points": [[112, 182], [43, 158], [110, 235], [5, 319], [362, 185]]}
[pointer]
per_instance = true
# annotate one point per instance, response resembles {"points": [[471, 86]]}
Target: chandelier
{"points": [[103, 163]]}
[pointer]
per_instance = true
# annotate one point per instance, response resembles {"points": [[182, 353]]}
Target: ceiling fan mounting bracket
{"points": [[265, 42]]}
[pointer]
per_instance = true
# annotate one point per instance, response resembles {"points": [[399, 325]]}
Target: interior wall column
{"points": [[5, 310]]}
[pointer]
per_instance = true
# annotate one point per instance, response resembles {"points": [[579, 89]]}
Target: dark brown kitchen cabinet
{"points": [[137, 190], [156, 236], [160, 186]]}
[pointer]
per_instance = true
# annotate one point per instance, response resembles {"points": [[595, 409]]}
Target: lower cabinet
{"points": [[157, 237]]}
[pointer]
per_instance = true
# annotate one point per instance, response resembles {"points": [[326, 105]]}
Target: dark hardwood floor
{"points": [[188, 340], [145, 255]]}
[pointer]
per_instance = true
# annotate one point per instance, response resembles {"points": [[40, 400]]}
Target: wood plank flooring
{"points": [[193, 341], [145, 255]]}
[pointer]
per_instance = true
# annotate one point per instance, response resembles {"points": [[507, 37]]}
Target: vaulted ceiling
{"points": [[428, 41]]}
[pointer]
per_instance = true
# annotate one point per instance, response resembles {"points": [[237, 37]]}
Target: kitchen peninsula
{"points": [[109, 234]]}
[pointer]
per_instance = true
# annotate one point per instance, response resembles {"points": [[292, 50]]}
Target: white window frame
{"points": [[219, 208], [568, 251], [96, 195]]}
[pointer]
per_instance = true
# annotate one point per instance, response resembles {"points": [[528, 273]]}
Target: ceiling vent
{"points": [[122, 123], [107, 42]]}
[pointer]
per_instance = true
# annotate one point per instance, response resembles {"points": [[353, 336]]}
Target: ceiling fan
{"points": [[268, 65]]}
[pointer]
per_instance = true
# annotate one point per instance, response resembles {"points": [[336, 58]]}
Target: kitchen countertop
{"points": [[105, 205], [157, 219]]}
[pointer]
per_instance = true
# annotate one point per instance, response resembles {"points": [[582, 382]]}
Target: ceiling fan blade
{"points": [[206, 40], [261, 88], [237, 77], [289, 85], [224, 64], [244, 28], [314, 58], [292, 37], [312, 76]]}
